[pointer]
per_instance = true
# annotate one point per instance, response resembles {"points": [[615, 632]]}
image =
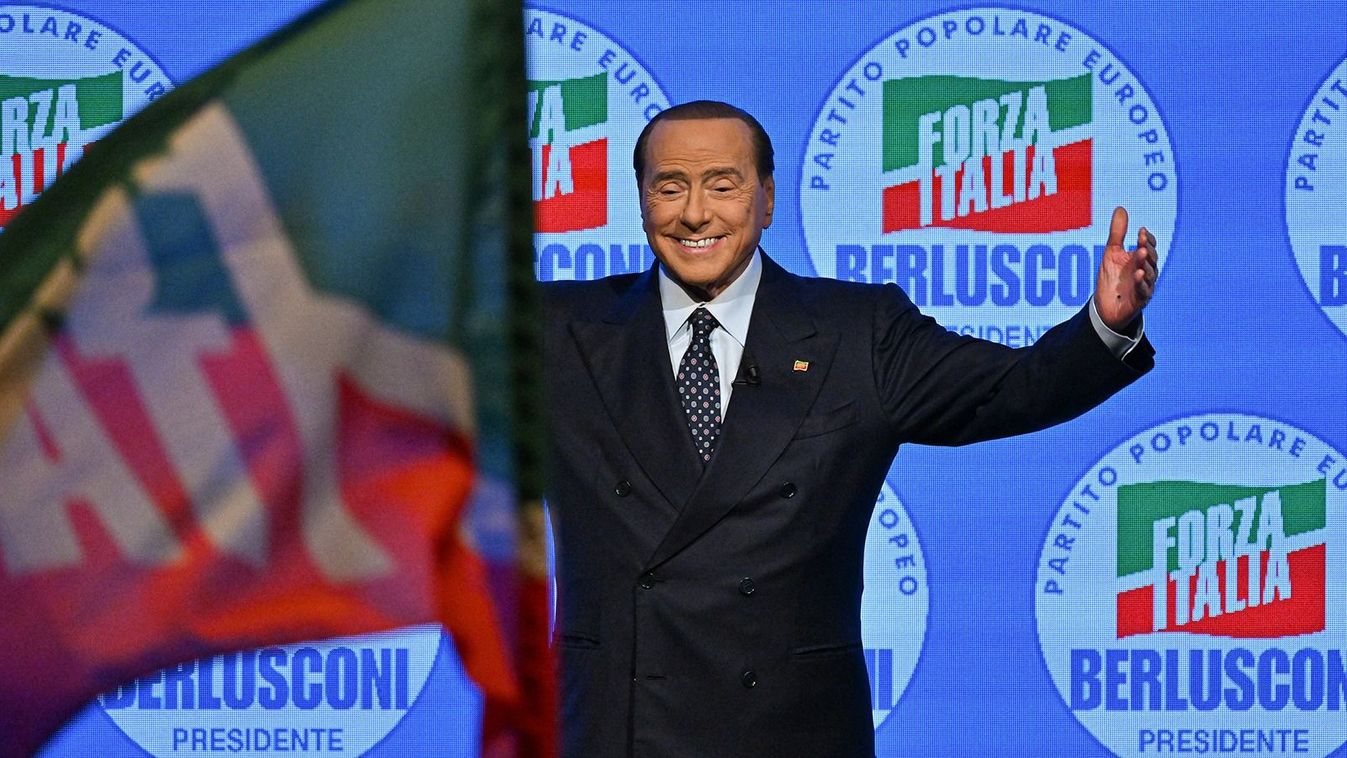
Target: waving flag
{"points": [[255, 351]]}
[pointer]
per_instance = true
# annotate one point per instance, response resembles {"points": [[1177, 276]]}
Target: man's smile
{"points": [[700, 244]]}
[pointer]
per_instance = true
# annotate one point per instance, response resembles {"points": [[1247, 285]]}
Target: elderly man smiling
{"points": [[720, 431]]}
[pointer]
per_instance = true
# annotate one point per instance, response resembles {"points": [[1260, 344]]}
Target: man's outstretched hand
{"points": [[1126, 277]]}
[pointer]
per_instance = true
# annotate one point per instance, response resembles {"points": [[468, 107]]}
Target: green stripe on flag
{"points": [[584, 101], [99, 97], [1304, 509], [377, 202], [906, 100]]}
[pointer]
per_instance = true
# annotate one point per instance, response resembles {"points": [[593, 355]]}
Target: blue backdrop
{"points": [[1005, 620]]}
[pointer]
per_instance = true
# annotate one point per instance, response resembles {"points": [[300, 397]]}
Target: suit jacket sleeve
{"points": [[941, 388]]}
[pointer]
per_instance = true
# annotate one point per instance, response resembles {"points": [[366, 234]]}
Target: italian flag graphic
{"points": [[42, 123], [1224, 560], [570, 153], [986, 154]]}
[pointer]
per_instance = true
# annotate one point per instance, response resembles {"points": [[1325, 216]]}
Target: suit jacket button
{"points": [[787, 490], [749, 678], [747, 586], [622, 488], [647, 580]]}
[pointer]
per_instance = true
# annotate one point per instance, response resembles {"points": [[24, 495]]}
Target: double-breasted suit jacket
{"points": [[716, 612]]}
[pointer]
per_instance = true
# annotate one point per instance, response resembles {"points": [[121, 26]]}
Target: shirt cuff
{"points": [[1118, 344]]}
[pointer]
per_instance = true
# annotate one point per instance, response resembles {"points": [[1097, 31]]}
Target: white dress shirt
{"points": [[734, 307]]}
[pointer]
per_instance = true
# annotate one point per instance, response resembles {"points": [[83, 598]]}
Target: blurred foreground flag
{"points": [[256, 349]]}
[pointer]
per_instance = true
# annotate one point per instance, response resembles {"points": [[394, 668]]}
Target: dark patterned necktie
{"points": [[699, 385]]}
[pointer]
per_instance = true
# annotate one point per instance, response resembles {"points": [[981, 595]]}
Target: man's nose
{"points": [[695, 213]]}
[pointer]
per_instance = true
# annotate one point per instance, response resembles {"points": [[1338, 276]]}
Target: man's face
{"points": [[702, 204]]}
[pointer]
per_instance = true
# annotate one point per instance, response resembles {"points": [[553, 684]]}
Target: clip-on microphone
{"points": [[749, 375]]}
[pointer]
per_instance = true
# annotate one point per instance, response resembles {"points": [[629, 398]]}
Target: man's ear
{"points": [[769, 187]]}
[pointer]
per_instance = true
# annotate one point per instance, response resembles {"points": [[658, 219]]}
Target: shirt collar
{"points": [[732, 308]]}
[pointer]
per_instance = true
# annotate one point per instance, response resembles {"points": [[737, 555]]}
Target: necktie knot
{"points": [[703, 323]]}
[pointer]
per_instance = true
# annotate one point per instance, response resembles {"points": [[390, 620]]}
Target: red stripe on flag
{"points": [[1069, 208], [1303, 613], [116, 403], [471, 617], [523, 591], [537, 669], [587, 206], [391, 456]]}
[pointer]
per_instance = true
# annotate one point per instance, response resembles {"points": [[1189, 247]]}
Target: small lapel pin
{"points": [[802, 365]]}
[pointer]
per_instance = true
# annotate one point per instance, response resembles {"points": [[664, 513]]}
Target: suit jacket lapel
{"points": [[762, 419], [628, 357]]}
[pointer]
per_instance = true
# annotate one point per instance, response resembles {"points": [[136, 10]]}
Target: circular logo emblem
{"points": [[1316, 196], [66, 80], [338, 697], [975, 158], [588, 100], [895, 603], [1190, 593]]}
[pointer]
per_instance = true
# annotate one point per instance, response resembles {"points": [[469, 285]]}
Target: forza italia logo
{"points": [[975, 158], [1218, 559], [987, 154], [66, 80], [588, 99], [1190, 591]]}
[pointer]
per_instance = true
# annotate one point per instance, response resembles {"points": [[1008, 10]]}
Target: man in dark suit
{"points": [[720, 431]]}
